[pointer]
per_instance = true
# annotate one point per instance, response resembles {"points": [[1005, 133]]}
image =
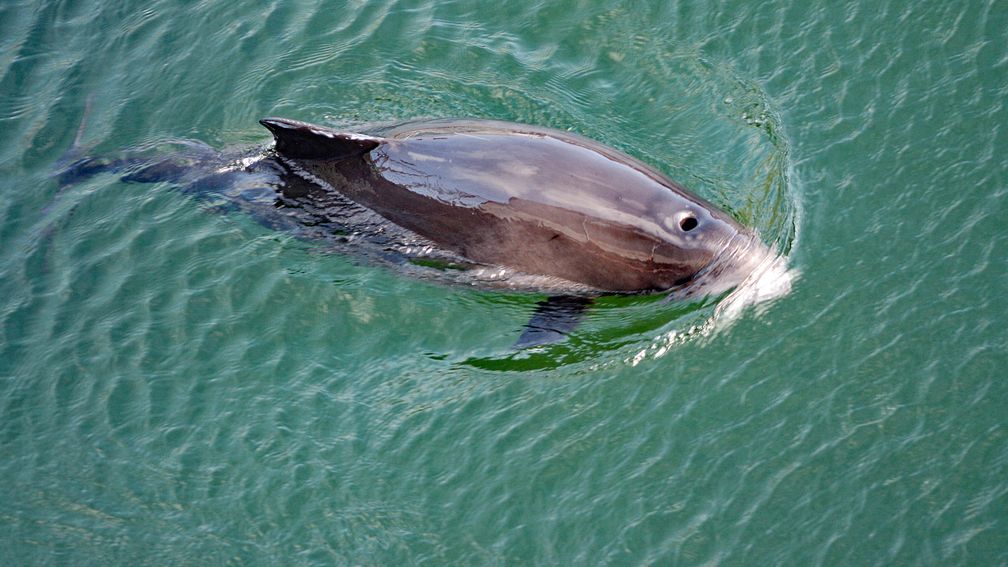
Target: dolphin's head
{"points": [[715, 251], [680, 240]]}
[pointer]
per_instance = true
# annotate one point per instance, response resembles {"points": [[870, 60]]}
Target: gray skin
{"points": [[536, 200]]}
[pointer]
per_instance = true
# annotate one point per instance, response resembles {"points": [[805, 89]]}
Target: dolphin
{"points": [[550, 210]]}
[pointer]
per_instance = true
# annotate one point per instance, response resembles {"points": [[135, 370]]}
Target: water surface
{"points": [[184, 387]]}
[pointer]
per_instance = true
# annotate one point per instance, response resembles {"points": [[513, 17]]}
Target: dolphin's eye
{"points": [[688, 222]]}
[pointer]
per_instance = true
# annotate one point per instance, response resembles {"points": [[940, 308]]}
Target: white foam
{"points": [[766, 277], [769, 280]]}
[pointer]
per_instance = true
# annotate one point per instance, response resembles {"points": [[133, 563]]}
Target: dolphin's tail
{"points": [[76, 165], [72, 166]]}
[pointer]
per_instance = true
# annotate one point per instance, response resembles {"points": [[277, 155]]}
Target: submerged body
{"points": [[534, 200]]}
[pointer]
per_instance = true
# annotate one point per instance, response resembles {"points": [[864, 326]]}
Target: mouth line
{"points": [[737, 258]]}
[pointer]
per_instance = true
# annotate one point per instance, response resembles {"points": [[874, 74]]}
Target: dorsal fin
{"points": [[300, 140]]}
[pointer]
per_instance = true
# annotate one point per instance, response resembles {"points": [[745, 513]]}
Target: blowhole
{"points": [[688, 223]]}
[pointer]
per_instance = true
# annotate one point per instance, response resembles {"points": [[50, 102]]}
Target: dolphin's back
{"points": [[537, 200]]}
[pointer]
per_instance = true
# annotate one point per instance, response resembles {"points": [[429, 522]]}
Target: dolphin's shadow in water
{"points": [[614, 324]]}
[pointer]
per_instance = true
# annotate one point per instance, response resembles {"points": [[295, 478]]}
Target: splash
{"points": [[769, 278]]}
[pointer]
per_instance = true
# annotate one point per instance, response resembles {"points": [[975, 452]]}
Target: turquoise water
{"points": [[184, 387]]}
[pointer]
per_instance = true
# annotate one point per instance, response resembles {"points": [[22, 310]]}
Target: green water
{"points": [[183, 387]]}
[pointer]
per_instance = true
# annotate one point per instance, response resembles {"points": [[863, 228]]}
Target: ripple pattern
{"points": [[183, 386]]}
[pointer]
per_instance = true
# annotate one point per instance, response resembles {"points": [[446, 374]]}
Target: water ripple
{"points": [[178, 383]]}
